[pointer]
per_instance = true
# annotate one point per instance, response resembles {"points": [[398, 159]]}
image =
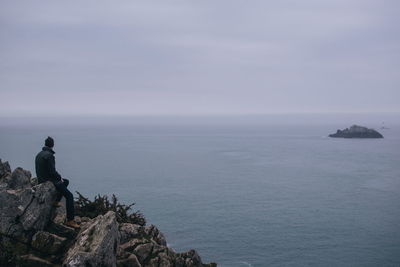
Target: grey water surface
{"points": [[242, 195]]}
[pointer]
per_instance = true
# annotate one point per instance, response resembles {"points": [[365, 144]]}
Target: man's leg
{"points": [[62, 188], [59, 196]]}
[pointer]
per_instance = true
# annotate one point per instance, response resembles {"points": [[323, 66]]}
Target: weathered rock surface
{"points": [[129, 261], [146, 246], [4, 169], [32, 232], [356, 131], [156, 235], [25, 211], [96, 244], [18, 179], [130, 231], [33, 261], [48, 243]]}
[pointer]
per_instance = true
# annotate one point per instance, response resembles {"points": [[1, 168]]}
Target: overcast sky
{"points": [[199, 57]]}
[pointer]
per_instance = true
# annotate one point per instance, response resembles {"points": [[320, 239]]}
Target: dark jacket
{"points": [[45, 164]]}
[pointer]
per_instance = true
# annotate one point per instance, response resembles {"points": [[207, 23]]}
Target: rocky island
{"points": [[32, 232], [356, 131]]}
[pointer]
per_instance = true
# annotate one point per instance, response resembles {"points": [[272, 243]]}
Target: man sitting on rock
{"points": [[46, 171]]}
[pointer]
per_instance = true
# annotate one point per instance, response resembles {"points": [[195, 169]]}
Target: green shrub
{"points": [[101, 205]]}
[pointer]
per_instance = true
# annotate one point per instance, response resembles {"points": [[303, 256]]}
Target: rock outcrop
{"points": [[32, 232], [96, 243], [356, 131], [146, 246]]}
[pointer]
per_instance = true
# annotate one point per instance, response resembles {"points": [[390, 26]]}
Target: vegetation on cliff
{"points": [[101, 205]]}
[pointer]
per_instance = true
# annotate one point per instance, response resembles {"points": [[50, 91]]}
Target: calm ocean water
{"points": [[242, 195]]}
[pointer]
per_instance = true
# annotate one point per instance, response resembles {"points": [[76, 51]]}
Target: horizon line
{"points": [[121, 115]]}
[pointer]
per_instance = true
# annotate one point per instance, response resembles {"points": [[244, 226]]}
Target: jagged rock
{"points": [[31, 226], [356, 131], [129, 231], [157, 249], [132, 244], [156, 235], [149, 246], [143, 251], [85, 219], [4, 168], [33, 261], [166, 260], [96, 244], [61, 230], [162, 256], [13, 204], [129, 261], [190, 258], [25, 211], [153, 262], [34, 181], [38, 214], [20, 179], [48, 243], [60, 213]]}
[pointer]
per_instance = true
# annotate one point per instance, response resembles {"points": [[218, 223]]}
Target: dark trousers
{"points": [[64, 192]]}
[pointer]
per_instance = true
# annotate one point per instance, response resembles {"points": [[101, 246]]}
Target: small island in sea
{"points": [[357, 131]]}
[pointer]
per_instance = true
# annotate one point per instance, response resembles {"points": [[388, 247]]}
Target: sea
{"points": [[242, 191]]}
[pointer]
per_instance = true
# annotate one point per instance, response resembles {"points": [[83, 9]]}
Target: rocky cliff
{"points": [[356, 131], [32, 232]]}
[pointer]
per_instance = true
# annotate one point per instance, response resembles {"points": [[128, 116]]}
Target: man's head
{"points": [[49, 142]]}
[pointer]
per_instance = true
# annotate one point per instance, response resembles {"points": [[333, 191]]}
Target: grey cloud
{"points": [[199, 57]]}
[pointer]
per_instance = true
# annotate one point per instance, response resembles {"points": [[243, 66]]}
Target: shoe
{"points": [[57, 204], [72, 224]]}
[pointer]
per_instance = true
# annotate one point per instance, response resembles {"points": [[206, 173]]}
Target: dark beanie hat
{"points": [[49, 142]]}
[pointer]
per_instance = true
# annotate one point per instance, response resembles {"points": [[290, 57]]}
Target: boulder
{"points": [[96, 243], [129, 231], [25, 211], [13, 205], [143, 251], [356, 131], [155, 235], [38, 214], [166, 260], [34, 181], [4, 168], [61, 230], [149, 247], [189, 259], [60, 213], [33, 261], [48, 243], [153, 262], [129, 261], [131, 245], [20, 179]]}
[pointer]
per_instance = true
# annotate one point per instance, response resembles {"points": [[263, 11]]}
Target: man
{"points": [[46, 171]]}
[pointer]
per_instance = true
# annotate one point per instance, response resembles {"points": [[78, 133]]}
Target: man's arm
{"points": [[52, 169]]}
